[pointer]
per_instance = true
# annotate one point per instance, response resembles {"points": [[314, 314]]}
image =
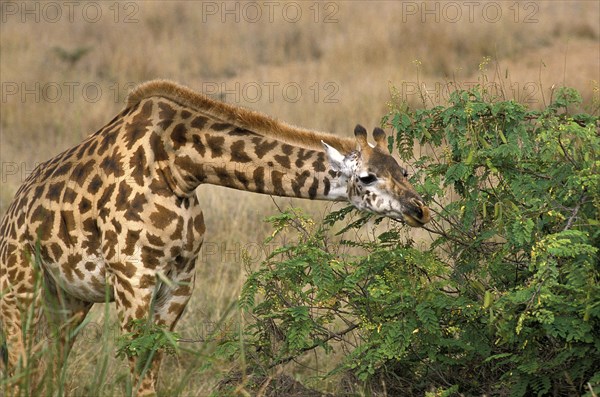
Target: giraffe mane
{"points": [[239, 116]]}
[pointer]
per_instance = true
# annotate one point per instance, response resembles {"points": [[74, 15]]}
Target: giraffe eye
{"points": [[405, 173], [367, 179]]}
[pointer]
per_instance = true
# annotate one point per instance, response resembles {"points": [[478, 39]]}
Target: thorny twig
{"points": [[574, 214]]}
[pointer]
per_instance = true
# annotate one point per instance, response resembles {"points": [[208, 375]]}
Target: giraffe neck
{"points": [[245, 161], [202, 150]]}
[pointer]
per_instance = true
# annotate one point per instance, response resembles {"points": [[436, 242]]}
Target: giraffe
{"points": [[108, 215]]}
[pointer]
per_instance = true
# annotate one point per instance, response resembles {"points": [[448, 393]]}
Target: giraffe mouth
{"points": [[412, 221], [418, 215]]}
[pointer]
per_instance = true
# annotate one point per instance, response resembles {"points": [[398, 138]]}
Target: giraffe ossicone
{"points": [[118, 209]]}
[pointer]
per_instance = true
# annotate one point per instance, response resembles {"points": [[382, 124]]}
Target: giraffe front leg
{"points": [[140, 298], [172, 299], [133, 296]]}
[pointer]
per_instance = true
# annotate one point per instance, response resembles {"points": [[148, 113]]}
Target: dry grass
{"points": [[343, 68]]}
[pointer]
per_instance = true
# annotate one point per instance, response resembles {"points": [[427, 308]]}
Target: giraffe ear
{"points": [[336, 159], [379, 136], [361, 136]]}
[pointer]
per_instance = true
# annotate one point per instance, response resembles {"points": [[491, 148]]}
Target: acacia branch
{"points": [[566, 153], [574, 214], [332, 335]]}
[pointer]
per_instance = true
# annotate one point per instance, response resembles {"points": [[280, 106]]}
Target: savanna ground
{"points": [[66, 69]]}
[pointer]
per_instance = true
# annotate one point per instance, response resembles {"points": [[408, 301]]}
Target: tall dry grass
{"points": [[342, 55]]}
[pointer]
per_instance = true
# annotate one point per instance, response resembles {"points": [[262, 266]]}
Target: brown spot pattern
{"points": [[259, 179], [166, 114], [319, 163], [111, 165], [151, 257], [66, 225], [125, 269], [138, 166], [178, 136], [238, 155], [221, 126], [55, 190], [46, 218], [299, 181], [277, 181], [95, 185], [162, 217], [131, 240], [136, 207], [123, 194], [215, 144], [199, 122], [262, 147], [158, 147], [139, 126], [312, 190], [84, 205], [82, 171]]}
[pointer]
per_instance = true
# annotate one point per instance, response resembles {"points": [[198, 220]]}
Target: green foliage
{"points": [[505, 300], [144, 340]]}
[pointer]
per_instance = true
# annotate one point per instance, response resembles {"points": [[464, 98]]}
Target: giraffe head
{"points": [[375, 182]]}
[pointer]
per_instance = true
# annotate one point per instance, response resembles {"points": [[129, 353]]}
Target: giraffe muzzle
{"points": [[417, 215]]}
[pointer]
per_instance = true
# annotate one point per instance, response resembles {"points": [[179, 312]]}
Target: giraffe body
{"points": [[112, 213]]}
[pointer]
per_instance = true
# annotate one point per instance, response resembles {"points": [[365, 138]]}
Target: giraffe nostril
{"points": [[418, 204], [421, 211]]}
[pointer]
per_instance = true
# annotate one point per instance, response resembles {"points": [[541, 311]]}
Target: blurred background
{"points": [[66, 68]]}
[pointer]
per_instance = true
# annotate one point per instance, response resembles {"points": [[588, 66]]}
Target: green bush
{"points": [[505, 300]]}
